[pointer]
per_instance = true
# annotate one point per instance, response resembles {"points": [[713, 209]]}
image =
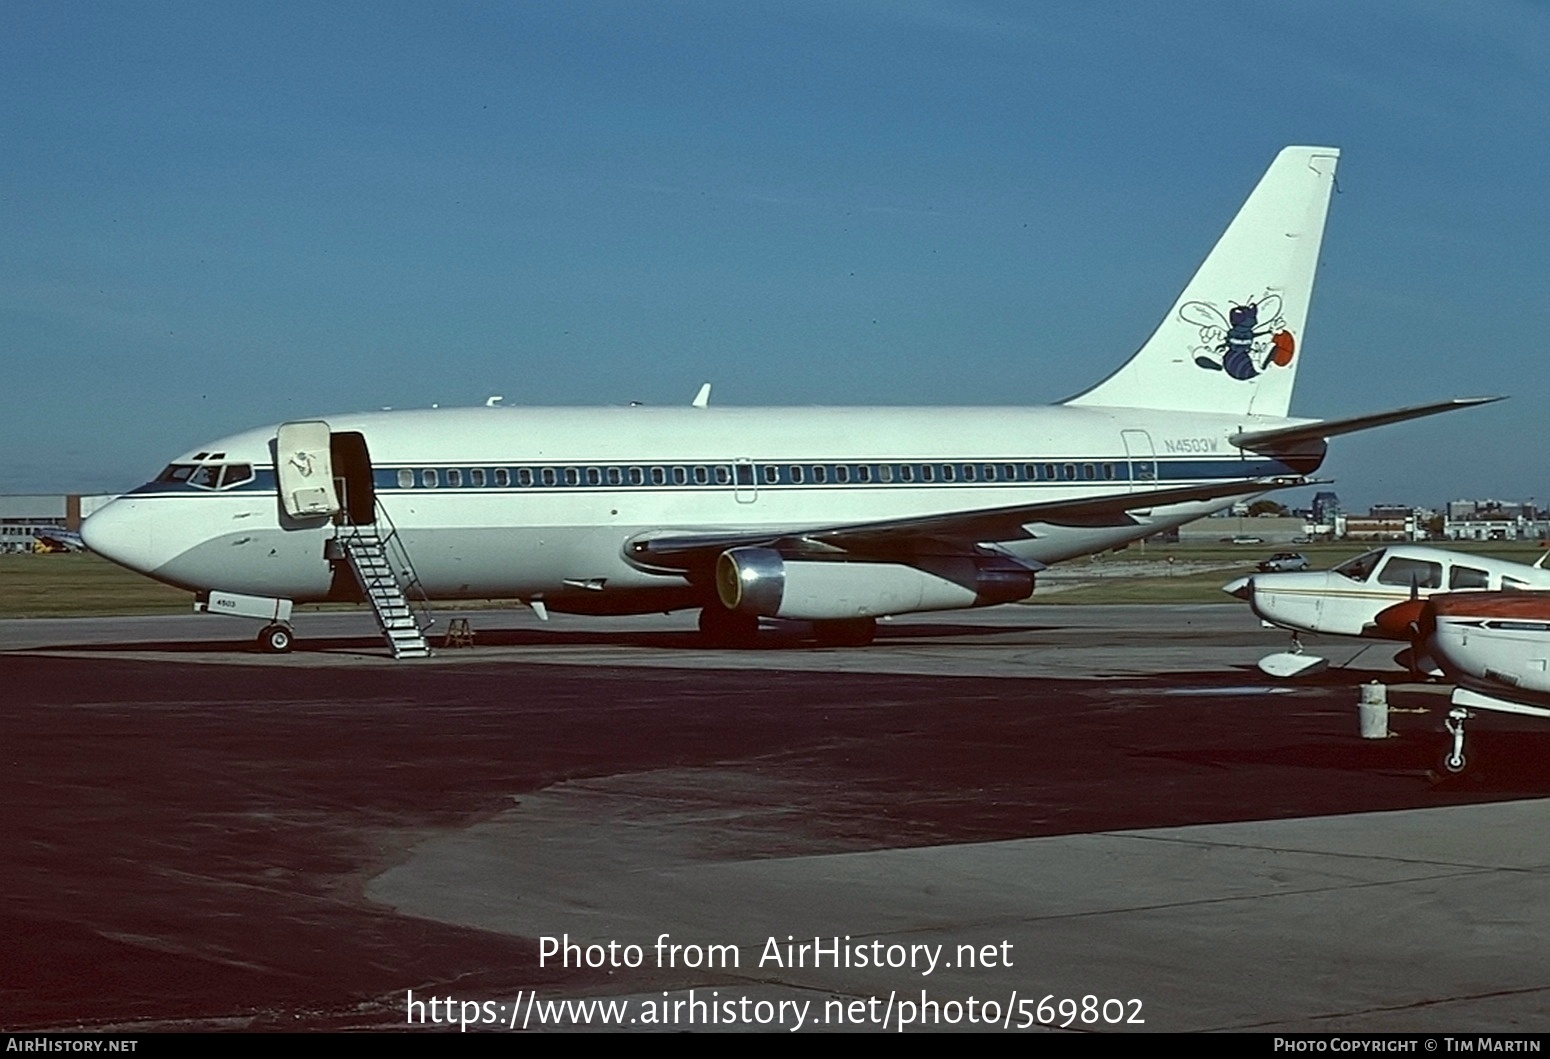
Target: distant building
{"points": [[1326, 506], [24, 518], [1494, 520]]}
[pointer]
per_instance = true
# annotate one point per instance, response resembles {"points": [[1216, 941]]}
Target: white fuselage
{"points": [[541, 504]]}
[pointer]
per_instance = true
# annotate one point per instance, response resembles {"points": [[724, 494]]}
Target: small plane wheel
{"points": [[845, 632], [727, 628], [275, 639], [1453, 765]]}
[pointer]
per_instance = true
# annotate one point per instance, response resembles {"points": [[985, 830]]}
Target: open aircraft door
{"points": [[1143, 459], [304, 469]]}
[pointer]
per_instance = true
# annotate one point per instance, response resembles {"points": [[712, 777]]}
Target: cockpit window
{"points": [[208, 475], [1361, 568]]}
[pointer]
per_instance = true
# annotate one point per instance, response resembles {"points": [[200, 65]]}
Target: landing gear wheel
{"points": [[275, 639], [1453, 760], [727, 628], [846, 632]]}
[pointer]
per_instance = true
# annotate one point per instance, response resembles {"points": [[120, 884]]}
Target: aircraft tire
{"points": [[720, 627], [846, 632], [276, 639], [1452, 767]]}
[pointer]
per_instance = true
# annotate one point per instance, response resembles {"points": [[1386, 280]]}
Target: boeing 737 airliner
{"points": [[831, 515]]}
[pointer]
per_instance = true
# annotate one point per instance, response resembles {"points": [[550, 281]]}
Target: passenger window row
{"points": [[769, 474]]}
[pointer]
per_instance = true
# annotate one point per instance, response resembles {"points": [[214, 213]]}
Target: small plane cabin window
{"points": [[1407, 572], [1360, 568], [476, 477], [454, 478], [1512, 584], [1467, 577], [428, 479], [405, 478], [502, 477]]}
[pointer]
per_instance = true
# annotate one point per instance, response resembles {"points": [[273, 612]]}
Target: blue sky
{"points": [[219, 215]]}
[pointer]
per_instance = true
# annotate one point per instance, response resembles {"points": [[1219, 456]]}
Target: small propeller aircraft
{"points": [[1377, 595], [1495, 646]]}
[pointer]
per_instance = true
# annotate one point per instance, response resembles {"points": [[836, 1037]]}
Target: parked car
{"points": [[1284, 562]]}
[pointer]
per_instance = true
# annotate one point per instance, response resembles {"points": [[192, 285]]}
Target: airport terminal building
{"points": [[25, 518]]}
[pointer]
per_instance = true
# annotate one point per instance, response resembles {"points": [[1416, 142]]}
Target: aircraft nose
{"points": [[117, 531], [1243, 588]]}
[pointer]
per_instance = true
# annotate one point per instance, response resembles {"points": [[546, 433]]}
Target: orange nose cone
{"points": [[1399, 621]]}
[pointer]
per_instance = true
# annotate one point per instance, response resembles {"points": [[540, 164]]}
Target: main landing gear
{"points": [[1453, 760], [846, 632], [720, 627], [276, 639]]}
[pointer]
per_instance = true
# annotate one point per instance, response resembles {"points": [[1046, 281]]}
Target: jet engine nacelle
{"points": [[762, 582]]}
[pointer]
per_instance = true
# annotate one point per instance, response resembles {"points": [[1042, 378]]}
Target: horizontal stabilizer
{"points": [[1286, 437]]}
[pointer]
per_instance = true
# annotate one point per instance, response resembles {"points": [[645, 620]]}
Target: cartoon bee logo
{"points": [[1244, 343]]}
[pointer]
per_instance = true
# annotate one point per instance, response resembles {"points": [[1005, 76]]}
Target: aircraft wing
{"points": [[954, 531]]}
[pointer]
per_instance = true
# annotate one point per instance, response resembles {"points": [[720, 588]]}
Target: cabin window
{"points": [[524, 476], [637, 476], [548, 476], [502, 477], [1049, 472], [771, 474], [615, 476], [206, 477], [1089, 471], [1512, 584], [1361, 568], [428, 478], [454, 478], [1068, 472], [176, 472], [820, 473], [864, 473], [702, 476], [572, 476], [795, 473], [1419, 573], [885, 472], [1468, 577], [594, 476], [680, 476], [968, 472], [724, 476], [405, 478], [1108, 471], [842, 474]]}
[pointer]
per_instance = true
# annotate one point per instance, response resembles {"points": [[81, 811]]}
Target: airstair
{"points": [[382, 569]]}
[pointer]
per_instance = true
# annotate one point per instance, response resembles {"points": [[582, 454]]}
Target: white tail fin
{"points": [[1233, 340]]}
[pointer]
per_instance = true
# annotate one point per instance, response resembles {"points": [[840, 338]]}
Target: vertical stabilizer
{"points": [[1233, 340]]}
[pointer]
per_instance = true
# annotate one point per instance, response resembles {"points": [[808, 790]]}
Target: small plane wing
{"points": [[953, 530], [1284, 437]]}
